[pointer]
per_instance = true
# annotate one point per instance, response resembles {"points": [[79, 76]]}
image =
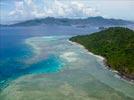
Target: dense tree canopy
{"points": [[116, 44]]}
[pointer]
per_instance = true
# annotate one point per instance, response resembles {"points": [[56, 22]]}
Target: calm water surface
{"points": [[39, 63]]}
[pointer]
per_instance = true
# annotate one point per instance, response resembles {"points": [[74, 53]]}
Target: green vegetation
{"points": [[116, 44]]}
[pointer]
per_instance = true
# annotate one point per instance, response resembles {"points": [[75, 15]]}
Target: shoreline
{"points": [[103, 59]]}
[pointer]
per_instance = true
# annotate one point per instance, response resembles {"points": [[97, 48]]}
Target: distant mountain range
{"points": [[91, 21]]}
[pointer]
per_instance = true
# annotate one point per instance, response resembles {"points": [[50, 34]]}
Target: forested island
{"points": [[116, 45]]}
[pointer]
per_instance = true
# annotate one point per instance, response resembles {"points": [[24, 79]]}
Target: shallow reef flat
{"points": [[81, 76]]}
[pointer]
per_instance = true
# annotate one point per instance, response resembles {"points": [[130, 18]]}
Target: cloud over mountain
{"points": [[57, 8]]}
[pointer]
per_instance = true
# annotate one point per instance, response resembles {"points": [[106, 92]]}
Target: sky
{"points": [[19, 10]]}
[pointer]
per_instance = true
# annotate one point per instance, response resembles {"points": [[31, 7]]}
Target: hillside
{"points": [[115, 44], [93, 21]]}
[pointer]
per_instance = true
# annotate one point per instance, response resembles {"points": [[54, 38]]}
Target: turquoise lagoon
{"points": [[53, 68], [60, 70]]}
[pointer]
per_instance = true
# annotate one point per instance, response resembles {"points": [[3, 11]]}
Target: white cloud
{"points": [[18, 9], [29, 9], [24, 9]]}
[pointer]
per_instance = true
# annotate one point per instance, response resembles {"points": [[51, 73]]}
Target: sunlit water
{"points": [[52, 68]]}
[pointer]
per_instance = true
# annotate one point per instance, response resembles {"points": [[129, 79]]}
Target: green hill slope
{"points": [[115, 44]]}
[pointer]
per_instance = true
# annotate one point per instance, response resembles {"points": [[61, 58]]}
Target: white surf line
{"points": [[69, 56], [103, 59], [35, 49]]}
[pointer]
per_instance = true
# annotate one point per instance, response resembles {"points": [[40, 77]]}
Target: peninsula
{"points": [[116, 45]]}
